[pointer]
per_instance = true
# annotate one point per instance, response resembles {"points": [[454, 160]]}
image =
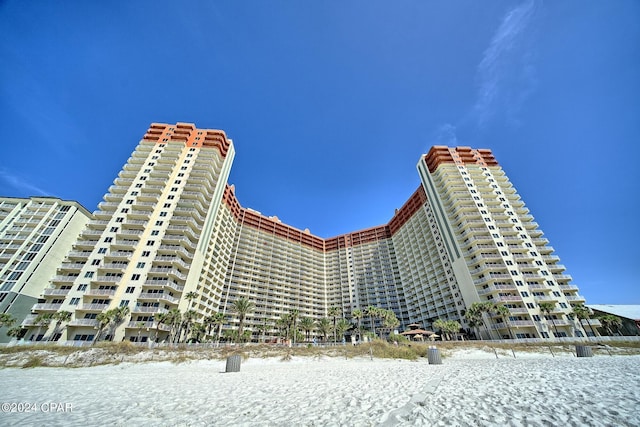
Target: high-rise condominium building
{"points": [[171, 236], [35, 235]]}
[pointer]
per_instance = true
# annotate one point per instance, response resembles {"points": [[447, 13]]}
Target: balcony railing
{"points": [[84, 322], [55, 291], [47, 307]]}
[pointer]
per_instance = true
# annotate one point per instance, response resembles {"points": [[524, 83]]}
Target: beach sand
{"points": [[471, 388]]}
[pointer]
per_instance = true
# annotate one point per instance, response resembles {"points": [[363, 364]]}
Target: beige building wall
{"points": [[35, 233]]}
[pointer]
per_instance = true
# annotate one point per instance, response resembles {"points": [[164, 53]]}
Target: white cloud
{"points": [[506, 74], [21, 185]]}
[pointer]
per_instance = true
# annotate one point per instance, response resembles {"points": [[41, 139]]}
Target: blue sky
{"points": [[330, 105]]}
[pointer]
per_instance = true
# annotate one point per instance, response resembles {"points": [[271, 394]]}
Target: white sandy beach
{"points": [[467, 389]]}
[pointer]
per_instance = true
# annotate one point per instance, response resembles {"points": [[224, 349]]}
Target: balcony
{"points": [[46, 307], [592, 322], [64, 279], [141, 309], [93, 323], [29, 320], [100, 292], [167, 283], [521, 323], [55, 292], [578, 298], [148, 325], [93, 307], [158, 296], [78, 254], [108, 279], [507, 298], [568, 288], [71, 265], [169, 271], [545, 298]]}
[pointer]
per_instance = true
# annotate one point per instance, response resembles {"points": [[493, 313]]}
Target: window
{"points": [[74, 301], [102, 250], [155, 232], [124, 303], [95, 262], [171, 197], [114, 229], [125, 210], [129, 201], [88, 274], [140, 265], [130, 289], [120, 219], [536, 317], [146, 253], [135, 277], [158, 222], [524, 293], [150, 242], [163, 213], [167, 205], [177, 182], [82, 287], [108, 239], [174, 189]]}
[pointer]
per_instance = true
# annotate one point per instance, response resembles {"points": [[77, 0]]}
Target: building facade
{"points": [[35, 235], [171, 237]]}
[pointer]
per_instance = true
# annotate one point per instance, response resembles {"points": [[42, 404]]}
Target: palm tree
{"points": [[103, 319], [324, 327], [610, 322], [161, 319], [307, 324], [190, 296], [474, 319], [174, 321], [197, 331], [14, 332], [293, 317], [547, 309], [372, 312], [341, 327], [208, 323], [503, 312], [118, 316], [442, 326], [42, 320], [187, 321], [284, 324], [262, 329], [60, 317], [389, 320], [242, 307], [7, 320], [357, 314], [452, 327], [583, 312], [334, 312], [218, 321]]}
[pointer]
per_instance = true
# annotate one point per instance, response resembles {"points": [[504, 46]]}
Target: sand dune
{"points": [[333, 391]]}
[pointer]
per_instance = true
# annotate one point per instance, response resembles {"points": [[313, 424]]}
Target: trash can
{"points": [[433, 355], [583, 351], [233, 363]]}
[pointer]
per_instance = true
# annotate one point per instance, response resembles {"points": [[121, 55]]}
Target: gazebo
{"points": [[415, 332]]}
